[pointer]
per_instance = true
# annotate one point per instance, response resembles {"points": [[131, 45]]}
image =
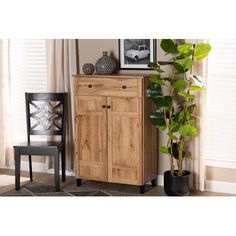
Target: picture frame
{"points": [[135, 54]]}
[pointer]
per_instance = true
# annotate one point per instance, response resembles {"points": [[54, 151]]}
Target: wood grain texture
{"points": [[124, 140], [91, 137], [109, 86], [116, 143]]}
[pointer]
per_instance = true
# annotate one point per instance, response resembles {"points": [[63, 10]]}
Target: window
{"points": [[28, 72], [220, 104]]}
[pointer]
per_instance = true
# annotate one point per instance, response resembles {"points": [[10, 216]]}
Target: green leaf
{"points": [[168, 111], [157, 118], [175, 151], [161, 127], [179, 84], [167, 101], [154, 93], [188, 130], [186, 95], [196, 88], [160, 102], [164, 149], [201, 50], [179, 69], [155, 67], [179, 116], [173, 125], [163, 63], [156, 79], [187, 63], [169, 46], [172, 137], [188, 115], [185, 49], [191, 122]]}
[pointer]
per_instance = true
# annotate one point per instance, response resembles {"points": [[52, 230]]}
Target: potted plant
{"points": [[174, 98]]}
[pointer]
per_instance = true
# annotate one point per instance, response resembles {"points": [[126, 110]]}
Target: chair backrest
{"points": [[46, 114]]}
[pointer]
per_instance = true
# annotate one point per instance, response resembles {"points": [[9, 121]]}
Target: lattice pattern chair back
{"points": [[45, 113]]}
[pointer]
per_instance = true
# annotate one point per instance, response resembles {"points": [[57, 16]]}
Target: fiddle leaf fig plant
{"points": [[174, 98]]}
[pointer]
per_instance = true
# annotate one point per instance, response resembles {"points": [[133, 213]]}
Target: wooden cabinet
{"points": [[114, 140]]}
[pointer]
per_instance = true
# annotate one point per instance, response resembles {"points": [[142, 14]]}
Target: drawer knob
{"points": [[108, 106], [124, 86], [90, 85], [103, 106]]}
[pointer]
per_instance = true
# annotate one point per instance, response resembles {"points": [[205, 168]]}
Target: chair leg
{"points": [[78, 182], [30, 168], [56, 171], [63, 165], [17, 169]]}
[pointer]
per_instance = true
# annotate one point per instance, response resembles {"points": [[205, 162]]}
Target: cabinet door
{"points": [[124, 140], [91, 137]]}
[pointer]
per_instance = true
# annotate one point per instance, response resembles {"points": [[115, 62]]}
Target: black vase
{"points": [[177, 185]]}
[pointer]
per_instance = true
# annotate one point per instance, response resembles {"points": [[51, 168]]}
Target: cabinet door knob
{"points": [[108, 106], [90, 85], [124, 86], [103, 106]]}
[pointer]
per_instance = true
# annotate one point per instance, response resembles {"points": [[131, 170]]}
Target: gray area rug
{"points": [[43, 185], [88, 189], [69, 189], [42, 189]]}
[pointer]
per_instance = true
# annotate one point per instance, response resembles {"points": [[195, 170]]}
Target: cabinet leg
{"points": [[154, 182], [78, 182], [142, 189]]}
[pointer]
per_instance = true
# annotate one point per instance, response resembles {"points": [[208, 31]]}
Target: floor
{"points": [[43, 186]]}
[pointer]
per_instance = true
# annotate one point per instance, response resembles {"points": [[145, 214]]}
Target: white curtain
{"points": [[62, 64], [199, 167], [6, 149]]}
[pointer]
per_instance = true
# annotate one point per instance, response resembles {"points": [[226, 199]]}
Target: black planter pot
{"points": [[177, 185]]}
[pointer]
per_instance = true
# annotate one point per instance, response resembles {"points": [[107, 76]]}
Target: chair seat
{"points": [[39, 148], [40, 144]]}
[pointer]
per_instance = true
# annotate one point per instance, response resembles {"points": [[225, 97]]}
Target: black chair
{"points": [[45, 115]]}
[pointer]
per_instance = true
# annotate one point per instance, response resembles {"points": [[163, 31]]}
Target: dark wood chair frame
{"points": [[48, 148]]}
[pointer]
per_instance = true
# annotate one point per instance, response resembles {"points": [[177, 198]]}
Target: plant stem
{"points": [[180, 159], [170, 119], [169, 144]]}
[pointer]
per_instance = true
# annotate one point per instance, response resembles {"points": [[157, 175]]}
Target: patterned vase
{"points": [[104, 65], [88, 68]]}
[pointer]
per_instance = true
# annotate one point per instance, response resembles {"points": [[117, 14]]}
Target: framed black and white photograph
{"points": [[136, 53]]}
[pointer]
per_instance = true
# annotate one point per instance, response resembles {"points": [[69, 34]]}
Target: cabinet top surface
{"points": [[129, 76]]}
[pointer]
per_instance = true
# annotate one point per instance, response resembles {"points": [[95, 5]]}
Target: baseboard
{"points": [[220, 186], [39, 167], [68, 173], [160, 180]]}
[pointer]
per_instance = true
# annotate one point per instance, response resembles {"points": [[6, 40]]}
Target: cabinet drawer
{"points": [[108, 87]]}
